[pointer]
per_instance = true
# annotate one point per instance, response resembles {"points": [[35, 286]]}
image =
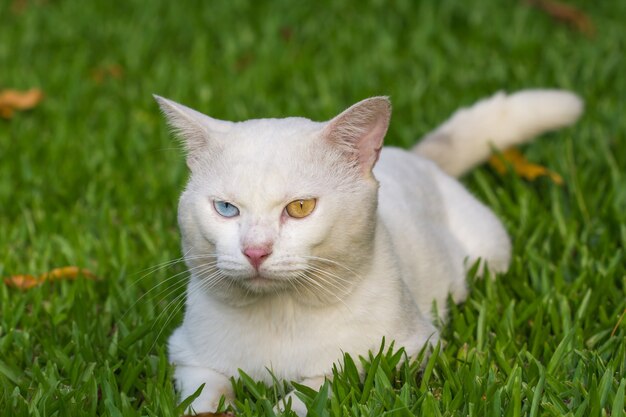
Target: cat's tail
{"points": [[467, 138]]}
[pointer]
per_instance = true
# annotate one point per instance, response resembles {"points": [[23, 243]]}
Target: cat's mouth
{"points": [[258, 278], [259, 282]]}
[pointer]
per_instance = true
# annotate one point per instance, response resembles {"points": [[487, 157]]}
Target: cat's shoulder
{"points": [[400, 162]]}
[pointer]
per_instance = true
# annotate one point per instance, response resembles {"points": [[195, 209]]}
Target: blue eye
{"points": [[225, 209]]}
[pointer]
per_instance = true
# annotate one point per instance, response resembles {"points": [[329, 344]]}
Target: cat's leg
{"points": [[190, 378], [189, 375], [297, 405], [475, 226]]}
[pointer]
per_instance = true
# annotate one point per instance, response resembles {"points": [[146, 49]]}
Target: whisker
{"points": [[210, 282], [330, 274], [339, 264], [167, 264], [324, 290], [325, 280], [176, 287], [151, 270], [177, 303], [175, 276], [293, 285]]}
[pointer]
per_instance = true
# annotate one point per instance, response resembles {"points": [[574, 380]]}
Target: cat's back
{"points": [[408, 186]]}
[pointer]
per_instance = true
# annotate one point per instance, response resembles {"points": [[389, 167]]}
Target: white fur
{"points": [[393, 242], [467, 138]]}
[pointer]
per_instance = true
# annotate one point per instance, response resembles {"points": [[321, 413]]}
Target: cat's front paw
{"points": [[297, 405], [206, 407], [216, 386], [209, 414]]}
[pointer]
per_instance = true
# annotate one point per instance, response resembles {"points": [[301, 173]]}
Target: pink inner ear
{"points": [[360, 130], [370, 146]]}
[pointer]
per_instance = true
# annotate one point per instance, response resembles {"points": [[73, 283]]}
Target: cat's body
{"points": [[269, 290]]}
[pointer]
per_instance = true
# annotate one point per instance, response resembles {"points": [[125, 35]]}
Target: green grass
{"points": [[91, 178]]}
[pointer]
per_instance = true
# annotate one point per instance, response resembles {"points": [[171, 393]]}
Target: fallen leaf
{"points": [[11, 100], [6, 112], [100, 74], [621, 318], [566, 13], [25, 282], [67, 272], [18, 6], [286, 33], [244, 61], [522, 166]]}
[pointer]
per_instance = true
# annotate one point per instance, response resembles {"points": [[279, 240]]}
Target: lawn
{"points": [[90, 178]]}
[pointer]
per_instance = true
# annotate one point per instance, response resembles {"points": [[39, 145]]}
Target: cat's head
{"points": [[276, 205]]}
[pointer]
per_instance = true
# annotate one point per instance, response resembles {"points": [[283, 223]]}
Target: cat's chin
{"points": [[260, 283]]}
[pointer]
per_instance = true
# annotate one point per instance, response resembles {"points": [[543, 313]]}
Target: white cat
{"points": [[305, 240]]}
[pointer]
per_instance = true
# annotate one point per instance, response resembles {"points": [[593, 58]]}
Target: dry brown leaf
{"points": [[621, 318], [286, 33], [6, 112], [227, 414], [18, 6], [25, 282], [566, 13], [100, 74], [522, 166], [67, 272], [11, 100]]}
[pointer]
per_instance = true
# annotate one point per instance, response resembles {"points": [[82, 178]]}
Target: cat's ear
{"points": [[360, 130], [195, 129]]}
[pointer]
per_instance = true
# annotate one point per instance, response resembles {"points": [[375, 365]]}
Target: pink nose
{"points": [[257, 255]]}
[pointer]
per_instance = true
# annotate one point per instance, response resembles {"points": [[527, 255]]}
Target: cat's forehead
{"points": [[272, 159], [272, 145], [290, 127]]}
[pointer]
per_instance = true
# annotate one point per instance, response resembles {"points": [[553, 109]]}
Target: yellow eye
{"points": [[300, 208]]}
